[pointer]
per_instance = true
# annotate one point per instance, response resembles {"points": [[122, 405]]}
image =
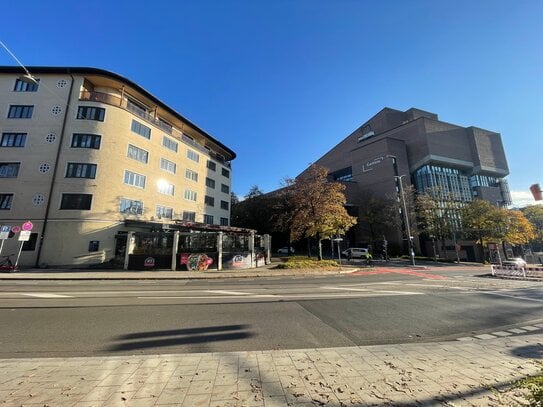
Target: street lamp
{"points": [[406, 217]]}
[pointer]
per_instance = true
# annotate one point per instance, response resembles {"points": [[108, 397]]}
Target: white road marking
{"points": [[227, 292], [47, 295], [372, 291], [511, 296]]}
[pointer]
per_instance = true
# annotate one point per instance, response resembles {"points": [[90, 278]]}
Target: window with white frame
{"points": [[20, 111], [192, 175], [190, 195], [81, 170], [91, 113], [167, 165], [131, 206], [164, 212], [209, 200], [25, 86], [211, 165], [81, 140], [13, 140], [169, 143], [166, 188], [137, 154], [134, 179], [5, 201], [190, 216], [210, 183], [140, 129], [9, 170], [194, 156]]}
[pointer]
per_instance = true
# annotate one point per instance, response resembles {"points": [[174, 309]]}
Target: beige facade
{"points": [[85, 150]]}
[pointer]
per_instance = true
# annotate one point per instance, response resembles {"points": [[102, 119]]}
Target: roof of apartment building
{"points": [[102, 72]]}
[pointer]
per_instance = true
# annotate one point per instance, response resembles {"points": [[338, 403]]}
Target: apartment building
{"points": [[451, 162], [87, 155]]}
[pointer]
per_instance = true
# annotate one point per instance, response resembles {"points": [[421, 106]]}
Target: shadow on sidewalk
{"points": [[142, 340], [529, 351]]}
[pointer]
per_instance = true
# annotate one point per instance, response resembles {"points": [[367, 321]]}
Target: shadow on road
{"points": [[174, 337]]}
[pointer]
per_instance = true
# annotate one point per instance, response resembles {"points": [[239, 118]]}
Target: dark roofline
{"points": [[103, 72]]}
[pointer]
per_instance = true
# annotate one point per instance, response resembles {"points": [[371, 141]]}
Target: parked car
{"points": [[515, 261], [356, 253], [285, 250]]}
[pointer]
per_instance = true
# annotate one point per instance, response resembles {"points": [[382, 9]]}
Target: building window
{"points": [[91, 113], [141, 129], [30, 244], [225, 189], [24, 86], [191, 155], [210, 183], [190, 216], [169, 143], [208, 219], [81, 170], [137, 154], [226, 173], [81, 140], [76, 201], [163, 212], [9, 170], [224, 221], [20, 111], [13, 140], [190, 195], [131, 207], [166, 189], [6, 201], [134, 179], [94, 245], [192, 175], [224, 205], [209, 200], [211, 165], [167, 165]]}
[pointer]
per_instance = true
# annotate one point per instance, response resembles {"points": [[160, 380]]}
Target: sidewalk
{"points": [[457, 373]]}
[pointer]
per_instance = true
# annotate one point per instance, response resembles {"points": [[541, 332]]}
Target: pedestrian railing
{"points": [[517, 272]]}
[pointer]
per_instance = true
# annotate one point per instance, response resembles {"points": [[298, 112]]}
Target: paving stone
{"points": [[517, 331]]}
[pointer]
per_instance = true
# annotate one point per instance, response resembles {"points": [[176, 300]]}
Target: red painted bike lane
{"points": [[385, 270]]}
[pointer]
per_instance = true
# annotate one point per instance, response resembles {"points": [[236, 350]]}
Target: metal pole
{"points": [[19, 254], [407, 228], [2, 245]]}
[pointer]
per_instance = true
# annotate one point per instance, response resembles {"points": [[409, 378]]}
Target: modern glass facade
{"points": [[447, 184]]}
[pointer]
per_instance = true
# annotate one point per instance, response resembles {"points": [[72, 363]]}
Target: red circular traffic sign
{"points": [[16, 229], [27, 226]]}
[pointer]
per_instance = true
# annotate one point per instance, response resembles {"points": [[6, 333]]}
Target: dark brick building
{"points": [[459, 163]]}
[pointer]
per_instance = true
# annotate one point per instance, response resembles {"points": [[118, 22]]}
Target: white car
{"points": [[356, 252], [285, 250], [515, 262]]}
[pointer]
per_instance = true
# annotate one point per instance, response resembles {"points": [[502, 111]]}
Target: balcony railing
{"points": [[150, 118]]}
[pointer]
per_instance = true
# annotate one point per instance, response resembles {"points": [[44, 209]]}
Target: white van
{"points": [[356, 252]]}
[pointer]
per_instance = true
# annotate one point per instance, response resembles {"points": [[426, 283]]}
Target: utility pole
{"points": [[406, 217]]}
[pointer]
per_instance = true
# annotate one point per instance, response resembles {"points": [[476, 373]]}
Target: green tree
{"points": [[481, 219], [534, 214], [319, 209]]}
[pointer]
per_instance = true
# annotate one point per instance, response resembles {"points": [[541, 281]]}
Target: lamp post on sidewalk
{"points": [[406, 217]]}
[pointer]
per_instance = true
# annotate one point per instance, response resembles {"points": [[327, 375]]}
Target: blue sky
{"points": [[281, 82]]}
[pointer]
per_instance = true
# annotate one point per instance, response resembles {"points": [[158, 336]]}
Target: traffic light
{"points": [[536, 192]]}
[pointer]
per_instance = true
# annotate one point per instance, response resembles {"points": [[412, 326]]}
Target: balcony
{"points": [[125, 104]]}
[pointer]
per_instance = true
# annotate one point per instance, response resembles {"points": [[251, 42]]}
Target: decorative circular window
{"points": [[61, 83], [51, 138], [38, 199], [44, 168], [56, 110]]}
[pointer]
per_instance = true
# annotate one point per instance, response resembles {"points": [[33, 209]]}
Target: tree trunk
{"points": [[319, 247]]}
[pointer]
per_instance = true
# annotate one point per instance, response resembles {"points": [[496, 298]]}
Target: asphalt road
{"points": [[83, 318]]}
